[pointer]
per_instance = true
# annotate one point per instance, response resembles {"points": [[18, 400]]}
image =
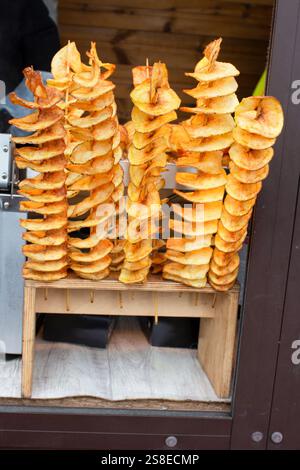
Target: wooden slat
{"points": [[111, 283], [168, 4], [196, 22]]}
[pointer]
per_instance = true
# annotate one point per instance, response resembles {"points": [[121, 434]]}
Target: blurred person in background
{"points": [[28, 36]]}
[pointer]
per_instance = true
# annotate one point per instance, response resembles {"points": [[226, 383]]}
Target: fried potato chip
{"points": [[238, 208], [118, 245], [38, 120], [138, 251], [194, 229], [188, 244], [235, 222], [44, 276], [203, 195], [223, 280], [228, 247], [95, 105], [209, 69], [180, 140], [90, 182], [228, 269], [221, 258], [207, 125], [242, 191], [54, 132], [218, 105], [142, 139], [92, 267], [44, 209], [45, 181], [98, 196], [248, 159], [44, 166], [143, 263], [222, 288], [90, 94], [198, 283], [106, 129], [97, 276], [95, 218], [165, 101], [51, 222], [253, 141], [248, 176], [49, 238], [208, 162], [56, 265], [44, 152], [212, 89], [147, 154], [199, 213], [145, 123], [86, 151], [261, 115], [131, 277], [201, 180], [92, 119], [186, 271], [68, 57], [42, 253], [231, 236], [38, 195], [196, 257], [117, 258], [102, 164]]}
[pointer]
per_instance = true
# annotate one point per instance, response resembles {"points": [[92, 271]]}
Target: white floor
{"points": [[128, 369]]}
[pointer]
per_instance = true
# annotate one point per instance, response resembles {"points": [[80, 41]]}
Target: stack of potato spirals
{"points": [[154, 106], [259, 121], [200, 143], [43, 152], [93, 155]]}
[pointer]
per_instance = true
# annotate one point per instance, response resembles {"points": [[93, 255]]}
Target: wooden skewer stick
{"points": [[46, 293], [155, 298], [92, 296], [120, 299], [214, 301], [67, 300], [196, 298]]}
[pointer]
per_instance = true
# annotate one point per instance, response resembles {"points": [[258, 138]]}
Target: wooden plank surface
{"points": [[173, 31], [153, 283], [126, 303]]}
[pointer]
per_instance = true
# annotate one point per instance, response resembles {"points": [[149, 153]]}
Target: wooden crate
{"points": [[218, 313]]}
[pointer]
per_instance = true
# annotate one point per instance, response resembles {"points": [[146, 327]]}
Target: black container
{"points": [[172, 332]]}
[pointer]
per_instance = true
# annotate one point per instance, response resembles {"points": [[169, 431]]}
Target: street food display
{"points": [[75, 148]]}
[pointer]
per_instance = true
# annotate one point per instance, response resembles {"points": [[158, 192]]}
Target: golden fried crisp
{"points": [[98, 196], [39, 195], [90, 94], [86, 151], [196, 257], [46, 151], [209, 69], [208, 162], [228, 269], [42, 253], [49, 222], [208, 125], [248, 176], [238, 208], [51, 208], [92, 267], [137, 265], [93, 118], [222, 288], [43, 166], [221, 258], [201, 180], [228, 247], [131, 277], [97, 276], [186, 271], [198, 213], [242, 191], [145, 123], [253, 141], [49, 238], [45, 181], [194, 229], [212, 89], [229, 235], [54, 132], [44, 276], [198, 283], [188, 244], [248, 159], [49, 266], [38, 120], [202, 195], [219, 105], [261, 115], [235, 222], [223, 280], [137, 251]]}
